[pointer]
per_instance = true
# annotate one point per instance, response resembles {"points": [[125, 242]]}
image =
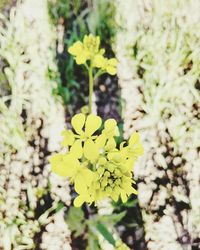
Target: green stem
{"points": [[91, 84], [100, 72]]}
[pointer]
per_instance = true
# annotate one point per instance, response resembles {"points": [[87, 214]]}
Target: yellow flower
{"points": [[68, 138], [66, 165], [134, 148], [86, 50], [100, 61], [108, 65], [114, 177], [91, 44], [110, 128], [81, 198], [91, 124], [94, 163], [89, 50], [111, 66], [77, 50]]}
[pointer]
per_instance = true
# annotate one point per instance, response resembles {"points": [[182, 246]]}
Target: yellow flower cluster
{"points": [[93, 162], [89, 50]]}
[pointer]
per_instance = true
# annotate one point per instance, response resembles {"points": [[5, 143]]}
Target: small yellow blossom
{"points": [[108, 65], [91, 124], [89, 50], [99, 61], [77, 50], [86, 50], [93, 162]]}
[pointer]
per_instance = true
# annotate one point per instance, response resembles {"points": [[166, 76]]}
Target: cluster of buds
{"points": [[89, 50], [94, 163]]}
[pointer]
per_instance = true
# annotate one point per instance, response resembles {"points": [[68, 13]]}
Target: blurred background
{"points": [[156, 92]]}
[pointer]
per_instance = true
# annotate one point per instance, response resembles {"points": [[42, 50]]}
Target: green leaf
{"points": [[60, 205], [131, 203], [113, 218], [105, 233], [93, 243], [75, 220]]}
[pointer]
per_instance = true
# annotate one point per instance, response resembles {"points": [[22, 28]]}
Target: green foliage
{"points": [[92, 227], [106, 234], [100, 20], [75, 220], [93, 243], [58, 9]]}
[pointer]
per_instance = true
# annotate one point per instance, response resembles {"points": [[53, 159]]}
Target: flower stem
{"points": [[100, 72], [91, 85]]}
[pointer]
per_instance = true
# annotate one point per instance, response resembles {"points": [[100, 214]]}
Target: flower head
{"points": [[94, 163], [89, 50]]}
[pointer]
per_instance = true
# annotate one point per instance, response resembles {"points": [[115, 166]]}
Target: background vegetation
{"points": [[156, 92]]}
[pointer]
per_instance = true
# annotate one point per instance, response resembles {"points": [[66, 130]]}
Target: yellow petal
{"points": [[116, 157], [58, 166], [111, 144], [93, 122], [90, 150], [112, 62], [129, 164], [81, 59], [101, 161], [111, 70], [97, 43], [56, 159], [101, 51], [100, 141], [88, 175], [123, 196], [68, 139], [83, 180], [79, 200], [110, 124], [111, 66], [76, 48], [80, 184], [99, 61], [134, 139], [65, 166], [110, 128], [78, 122], [134, 191], [86, 39], [111, 167], [114, 196], [76, 149]]}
